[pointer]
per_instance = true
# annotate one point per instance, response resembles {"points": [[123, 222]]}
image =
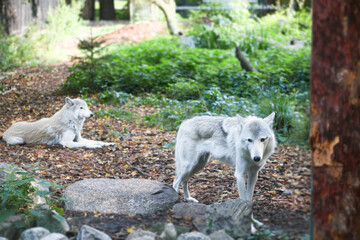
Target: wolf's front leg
{"points": [[90, 143], [240, 179], [252, 178]]}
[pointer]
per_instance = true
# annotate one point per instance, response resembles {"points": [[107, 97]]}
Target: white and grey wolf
{"points": [[64, 128], [245, 143]]}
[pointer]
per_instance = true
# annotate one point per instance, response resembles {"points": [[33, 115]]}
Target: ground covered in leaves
{"points": [[282, 194]]}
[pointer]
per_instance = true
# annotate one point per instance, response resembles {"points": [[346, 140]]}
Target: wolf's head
{"points": [[256, 135], [78, 108]]}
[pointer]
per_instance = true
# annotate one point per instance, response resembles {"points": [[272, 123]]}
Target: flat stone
{"points": [[120, 196]]}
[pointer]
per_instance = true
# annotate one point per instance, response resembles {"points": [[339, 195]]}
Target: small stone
{"points": [[193, 236], [35, 233], [55, 236], [90, 233], [169, 232], [141, 235], [220, 235]]}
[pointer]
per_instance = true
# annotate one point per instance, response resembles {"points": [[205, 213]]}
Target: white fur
{"points": [[245, 143], [64, 128]]}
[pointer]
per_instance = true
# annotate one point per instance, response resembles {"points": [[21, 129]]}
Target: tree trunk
{"points": [[169, 9], [88, 11], [107, 10], [7, 15], [335, 113]]}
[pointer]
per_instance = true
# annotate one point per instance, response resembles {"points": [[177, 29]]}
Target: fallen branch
{"points": [[244, 62], [10, 90], [139, 170]]}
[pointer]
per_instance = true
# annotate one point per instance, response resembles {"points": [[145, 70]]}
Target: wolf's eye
{"points": [[262, 139], [249, 140], [81, 108]]}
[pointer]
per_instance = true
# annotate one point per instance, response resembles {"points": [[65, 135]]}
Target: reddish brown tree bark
{"points": [[335, 110]]}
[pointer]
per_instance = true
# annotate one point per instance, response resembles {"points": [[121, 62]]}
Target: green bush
{"points": [[183, 82], [17, 193], [14, 51]]}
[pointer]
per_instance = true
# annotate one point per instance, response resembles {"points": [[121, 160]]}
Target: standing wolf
{"points": [[245, 143], [64, 128]]}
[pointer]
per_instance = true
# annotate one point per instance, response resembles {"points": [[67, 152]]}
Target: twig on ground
{"points": [[8, 91], [139, 170]]}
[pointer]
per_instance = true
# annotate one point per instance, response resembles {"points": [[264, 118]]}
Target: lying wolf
{"points": [[64, 128], [245, 143]]}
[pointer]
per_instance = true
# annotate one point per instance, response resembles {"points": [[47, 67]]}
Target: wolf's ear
{"points": [[69, 101], [240, 119], [270, 119]]}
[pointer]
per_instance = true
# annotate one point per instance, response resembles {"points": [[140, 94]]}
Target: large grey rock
{"points": [[35, 233], [193, 236], [55, 236], [3, 238], [234, 216], [121, 196], [89, 233], [141, 235]]}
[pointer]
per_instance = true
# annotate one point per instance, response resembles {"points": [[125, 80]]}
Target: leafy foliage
{"points": [[13, 51], [208, 79], [88, 68], [17, 194]]}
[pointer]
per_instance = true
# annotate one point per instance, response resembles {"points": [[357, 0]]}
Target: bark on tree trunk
{"points": [[169, 9], [7, 15], [88, 11], [107, 10], [335, 112]]}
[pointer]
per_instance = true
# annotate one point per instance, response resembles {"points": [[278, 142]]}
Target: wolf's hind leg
{"points": [[176, 183], [187, 193], [187, 172], [14, 140]]}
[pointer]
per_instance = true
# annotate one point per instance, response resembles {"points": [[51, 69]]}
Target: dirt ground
{"points": [[282, 194]]}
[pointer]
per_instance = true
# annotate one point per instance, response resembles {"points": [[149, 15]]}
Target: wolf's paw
{"points": [[253, 229], [110, 144], [191, 199], [257, 223]]}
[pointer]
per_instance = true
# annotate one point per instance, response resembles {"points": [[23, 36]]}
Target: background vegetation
{"points": [[183, 81], [196, 74]]}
